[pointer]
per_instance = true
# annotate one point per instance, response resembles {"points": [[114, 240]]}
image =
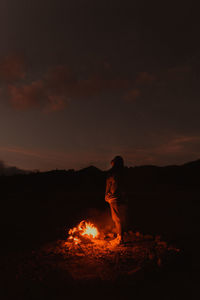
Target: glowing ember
{"points": [[85, 229]]}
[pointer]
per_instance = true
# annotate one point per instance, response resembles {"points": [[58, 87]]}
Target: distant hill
{"points": [[195, 164], [11, 170], [143, 174]]}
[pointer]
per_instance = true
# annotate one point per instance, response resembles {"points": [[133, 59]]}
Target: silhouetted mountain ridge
{"points": [[195, 164], [11, 170]]}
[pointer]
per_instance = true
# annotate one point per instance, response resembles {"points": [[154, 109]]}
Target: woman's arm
{"points": [[107, 193]]}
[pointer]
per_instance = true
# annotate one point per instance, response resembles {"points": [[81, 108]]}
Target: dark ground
{"points": [[38, 209]]}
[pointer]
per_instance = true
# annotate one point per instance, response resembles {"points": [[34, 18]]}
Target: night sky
{"points": [[82, 81]]}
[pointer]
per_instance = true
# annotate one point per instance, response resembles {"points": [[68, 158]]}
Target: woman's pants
{"points": [[118, 216]]}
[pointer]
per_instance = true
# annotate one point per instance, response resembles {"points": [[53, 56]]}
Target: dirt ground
{"points": [[160, 259], [92, 264]]}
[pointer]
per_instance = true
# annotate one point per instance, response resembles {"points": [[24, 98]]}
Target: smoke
{"points": [[101, 218]]}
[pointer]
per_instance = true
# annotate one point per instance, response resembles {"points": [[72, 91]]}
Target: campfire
{"points": [[93, 253], [85, 231]]}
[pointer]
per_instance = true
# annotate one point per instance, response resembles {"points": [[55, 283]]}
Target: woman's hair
{"points": [[117, 162]]}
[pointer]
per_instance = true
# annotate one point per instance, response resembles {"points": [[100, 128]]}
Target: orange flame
{"points": [[84, 228]]}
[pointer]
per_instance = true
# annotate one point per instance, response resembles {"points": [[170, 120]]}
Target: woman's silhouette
{"points": [[115, 195]]}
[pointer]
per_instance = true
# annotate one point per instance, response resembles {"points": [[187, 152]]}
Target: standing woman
{"points": [[115, 195]]}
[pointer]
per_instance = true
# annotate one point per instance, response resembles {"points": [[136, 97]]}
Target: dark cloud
{"points": [[35, 95], [179, 72], [145, 78], [57, 86], [53, 90], [132, 95], [12, 68]]}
